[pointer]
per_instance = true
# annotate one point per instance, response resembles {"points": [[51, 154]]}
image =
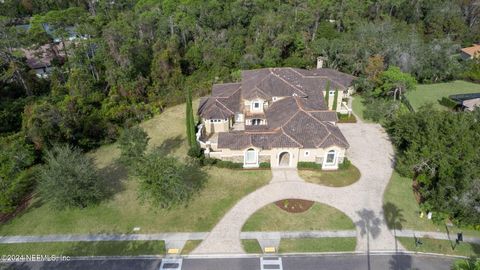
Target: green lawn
{"points": [[399, 197], [426, 93], [251, 246], [338, 178], [104, 248], [441, 247], [334, 244], [190, 245], [122, 212], [318, 217], [358, 107]]}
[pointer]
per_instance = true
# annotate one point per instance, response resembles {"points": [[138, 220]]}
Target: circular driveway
{"points": [[372, 153]]}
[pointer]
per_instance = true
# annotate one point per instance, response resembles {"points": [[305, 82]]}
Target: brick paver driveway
{"points": [[370, 150]]}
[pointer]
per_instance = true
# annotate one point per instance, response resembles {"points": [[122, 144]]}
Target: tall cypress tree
{"points": [[190, 122], [327, 93]]}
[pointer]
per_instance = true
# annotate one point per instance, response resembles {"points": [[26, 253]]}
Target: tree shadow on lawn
{"points": [[170, 144], [113, 177], [476, 249]]}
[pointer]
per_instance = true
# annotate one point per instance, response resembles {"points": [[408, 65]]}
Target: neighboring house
{"points": [[468, 102], [276, 115], [41, 59], [470, 52]]}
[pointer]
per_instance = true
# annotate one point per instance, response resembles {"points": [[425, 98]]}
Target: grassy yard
{"points": [[190, 245], [104, 248], [251, 246], [358, 107], [426, 93], [122, 212], [334, 244], [339, 178], [441, 247], [399, 198], [318, 217]]}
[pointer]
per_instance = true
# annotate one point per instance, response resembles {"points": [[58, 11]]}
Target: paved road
{"points": [[337, 262], [370, 150]]}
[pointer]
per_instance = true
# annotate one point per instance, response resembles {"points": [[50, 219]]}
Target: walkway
{"points": [[14, 239], [370, 150], [166, 236]]}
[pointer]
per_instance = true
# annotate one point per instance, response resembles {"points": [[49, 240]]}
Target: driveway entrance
{"points": [[284, 159]]}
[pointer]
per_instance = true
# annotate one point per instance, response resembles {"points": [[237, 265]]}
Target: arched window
{"points": [[330, 157], [250, 156]]}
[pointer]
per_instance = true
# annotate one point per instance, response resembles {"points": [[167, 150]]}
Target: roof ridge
{"points": [[330, 133], [223, 105], [293, 86], [283, 132]]}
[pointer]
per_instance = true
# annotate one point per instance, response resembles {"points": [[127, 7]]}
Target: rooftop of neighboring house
{"points": [[297, 115], [463, 97], [43, 56], [472, 50]]}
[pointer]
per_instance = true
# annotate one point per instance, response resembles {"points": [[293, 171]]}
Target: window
{"points": [[216, 120], [256, 122], [332, 92], [330, 157], [274, 98], [250, 156], [256, 104], [307, 153]]}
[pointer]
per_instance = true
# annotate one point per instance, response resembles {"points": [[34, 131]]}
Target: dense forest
{"points": [[134, 58]]}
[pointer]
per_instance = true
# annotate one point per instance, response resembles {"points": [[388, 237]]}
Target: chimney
{"points": [[320, 60]]}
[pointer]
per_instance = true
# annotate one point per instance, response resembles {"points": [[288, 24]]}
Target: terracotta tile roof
{"points": [[475, 49], [300, 119], [242, 140], [223, 103]]}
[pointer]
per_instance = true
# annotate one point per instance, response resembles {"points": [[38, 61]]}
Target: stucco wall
{"points": [[222, 126], [273, 155]]}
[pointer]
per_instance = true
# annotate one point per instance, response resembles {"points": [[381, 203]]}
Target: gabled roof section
{"points": [[224, 102]]}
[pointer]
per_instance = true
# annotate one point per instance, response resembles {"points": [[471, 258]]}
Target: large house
{"points": [[277, 115]]}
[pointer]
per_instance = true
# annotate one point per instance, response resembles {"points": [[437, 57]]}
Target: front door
{"points": [[284, 159]]}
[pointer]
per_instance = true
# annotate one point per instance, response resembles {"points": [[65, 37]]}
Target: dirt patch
{"points": [[294, 205]]}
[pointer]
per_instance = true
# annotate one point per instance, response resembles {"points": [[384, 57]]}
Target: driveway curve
{"points": [[372, 153]]}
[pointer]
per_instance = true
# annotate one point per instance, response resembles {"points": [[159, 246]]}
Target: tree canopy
{"points": [[441, 151], [70, 179]]}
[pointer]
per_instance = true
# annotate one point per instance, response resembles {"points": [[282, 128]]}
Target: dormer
{"points": [[256, 106]]}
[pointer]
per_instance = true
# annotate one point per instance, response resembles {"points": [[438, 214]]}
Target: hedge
{"points": [[309, 165]]}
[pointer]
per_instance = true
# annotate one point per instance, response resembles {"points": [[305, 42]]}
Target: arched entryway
{"points": [[284, 159]]}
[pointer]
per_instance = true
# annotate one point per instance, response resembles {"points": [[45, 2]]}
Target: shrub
{"points": [[70, 179], [447, 102], [228, 164], [209, 161], [265, 165], [195, 151], [309, 165], [345, 118], [345, 164]]}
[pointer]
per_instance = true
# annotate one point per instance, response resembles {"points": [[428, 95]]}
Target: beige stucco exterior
{"points": [[317, 155]]}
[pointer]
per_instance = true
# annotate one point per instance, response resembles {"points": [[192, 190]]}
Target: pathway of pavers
{"points": [[370, 150]]}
